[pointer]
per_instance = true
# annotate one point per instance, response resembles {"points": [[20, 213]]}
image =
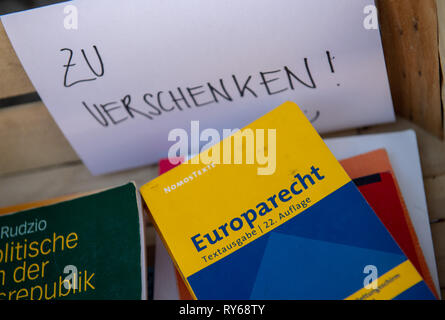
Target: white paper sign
{"points": [[117, 75]]}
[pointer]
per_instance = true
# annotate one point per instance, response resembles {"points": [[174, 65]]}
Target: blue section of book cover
{"points": [[419, 291], [319, 254]]}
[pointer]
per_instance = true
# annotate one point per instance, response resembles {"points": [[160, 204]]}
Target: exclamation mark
{"points": [[331, 63]]}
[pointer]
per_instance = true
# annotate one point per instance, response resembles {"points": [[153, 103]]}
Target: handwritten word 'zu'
{"points": [[70, 65]]}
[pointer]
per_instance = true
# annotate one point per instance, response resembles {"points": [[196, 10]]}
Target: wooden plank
{"points": [[441, 20], [438, 232], [30, 139], [64, 180], [435, 196], [13, 80], [409, 30]]}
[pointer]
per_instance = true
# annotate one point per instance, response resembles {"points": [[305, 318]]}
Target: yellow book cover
{"points": [[297, 229]]}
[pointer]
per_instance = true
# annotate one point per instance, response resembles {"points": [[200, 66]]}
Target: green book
{"points": [[84, 247]]}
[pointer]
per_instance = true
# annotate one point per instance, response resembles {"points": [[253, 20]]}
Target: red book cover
{"points": [[375, 162], [381, 193]]}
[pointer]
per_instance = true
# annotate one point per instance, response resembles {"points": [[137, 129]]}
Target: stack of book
{"points": [[315, 228]]}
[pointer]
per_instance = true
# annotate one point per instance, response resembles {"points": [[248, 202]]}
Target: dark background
{"points": [[8, 6]]}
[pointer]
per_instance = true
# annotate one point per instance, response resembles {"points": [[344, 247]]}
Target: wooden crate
{"points": [[37, 162]]}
